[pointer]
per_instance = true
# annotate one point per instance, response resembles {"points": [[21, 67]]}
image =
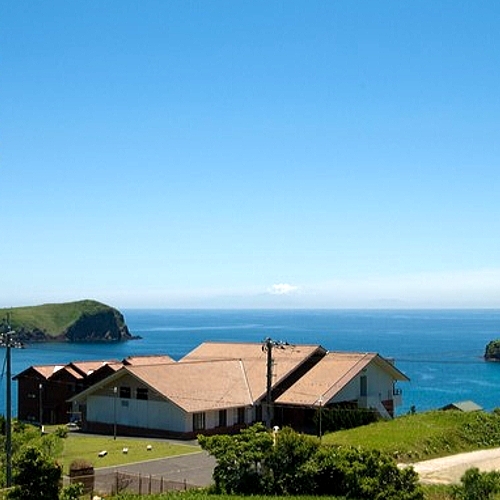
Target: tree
{"points": [[36, 477], [287, 459], [241, 459], [476, 485]]}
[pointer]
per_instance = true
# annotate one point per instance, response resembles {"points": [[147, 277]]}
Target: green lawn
{"points": [[425, 435], [88, 447]]}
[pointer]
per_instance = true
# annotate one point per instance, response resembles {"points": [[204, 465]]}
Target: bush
{"points": [[241, 459], [250, 463], [72, 492], [61, 432], [36, 477], [345, 417], [477, 485]]}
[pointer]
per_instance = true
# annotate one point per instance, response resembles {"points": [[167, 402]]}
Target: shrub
{"points": [[476, 485], [345, 417], [249, 463], [357, 473], [72, 491], [62, 432], [36, 477], [241, 459]]}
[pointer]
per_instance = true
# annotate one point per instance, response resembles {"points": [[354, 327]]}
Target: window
{"points": [[142, 393], [363, 386], [222, 418], [125, 392], [258, 414], [198, 421], [241, 416]]}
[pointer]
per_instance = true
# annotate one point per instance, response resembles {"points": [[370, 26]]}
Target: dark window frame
{"points": [[125, 392], [142, 393], [199, 421]]}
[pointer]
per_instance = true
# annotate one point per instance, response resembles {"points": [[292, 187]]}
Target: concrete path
{"points": [[450, 469]]}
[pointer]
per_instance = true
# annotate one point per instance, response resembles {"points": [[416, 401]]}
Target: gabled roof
{"points": [[331, 374], [254, 359], [192, 386], [465, 406], [148, 360], [44, 371], [87, 367], [198, 386]]}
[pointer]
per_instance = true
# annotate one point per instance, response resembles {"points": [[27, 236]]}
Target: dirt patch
{"points": [[447, 470]]}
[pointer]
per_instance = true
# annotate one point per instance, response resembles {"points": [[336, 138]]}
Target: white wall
{"points": [[146, 414], [380, 386]]}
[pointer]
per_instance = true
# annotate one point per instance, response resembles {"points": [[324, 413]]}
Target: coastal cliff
{"points": [[492, 351], [82, 321]]}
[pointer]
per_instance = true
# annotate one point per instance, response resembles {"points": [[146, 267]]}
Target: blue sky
{"points": [[250, 154]]}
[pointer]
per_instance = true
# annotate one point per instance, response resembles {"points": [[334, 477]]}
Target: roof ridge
{"points": [[243, 369]]}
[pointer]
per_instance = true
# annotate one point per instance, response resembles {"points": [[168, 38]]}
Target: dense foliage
{"points": [[344, 417], [256, 462], [24, 436], [36, 476], [476, 485]]}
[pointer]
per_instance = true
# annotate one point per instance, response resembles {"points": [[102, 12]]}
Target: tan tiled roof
{"points": [[331, 375], [254, 360], [87, 367], [148, 360], [72, 371], [47, 370], [197, 386]]}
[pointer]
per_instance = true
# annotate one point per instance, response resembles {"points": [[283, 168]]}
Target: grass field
{"points": [[78, 446], [425, 435]]}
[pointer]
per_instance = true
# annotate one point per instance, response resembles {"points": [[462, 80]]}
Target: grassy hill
{"points": [[425, 435], [65, 321]]}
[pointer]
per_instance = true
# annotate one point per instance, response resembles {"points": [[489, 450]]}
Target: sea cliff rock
{"points": [[102, 326], [83, 321], [492, 351]]}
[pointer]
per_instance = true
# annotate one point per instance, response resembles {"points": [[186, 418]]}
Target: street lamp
{"points": [[320, 401], [115, 392]]}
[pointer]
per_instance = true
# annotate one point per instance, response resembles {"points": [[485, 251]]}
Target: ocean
{"points": [[441, 351]]}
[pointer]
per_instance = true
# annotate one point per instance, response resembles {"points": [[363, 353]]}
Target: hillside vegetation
{"points": [[74, 321], [426, 435]]}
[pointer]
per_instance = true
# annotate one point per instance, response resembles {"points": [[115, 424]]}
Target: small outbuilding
{"points": [[465, 406]]}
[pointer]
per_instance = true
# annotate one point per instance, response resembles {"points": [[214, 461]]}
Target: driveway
{"points": [[450, 469]]}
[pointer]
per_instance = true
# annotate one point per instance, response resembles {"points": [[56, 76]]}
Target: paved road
{"points": [[194, 469], [450, 469]]}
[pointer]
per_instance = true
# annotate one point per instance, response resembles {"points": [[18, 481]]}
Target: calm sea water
{"points": [[441, 351]]}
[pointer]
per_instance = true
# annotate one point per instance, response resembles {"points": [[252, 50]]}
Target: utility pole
{"points": [[268, 346], [8, 416], [269, 379]]}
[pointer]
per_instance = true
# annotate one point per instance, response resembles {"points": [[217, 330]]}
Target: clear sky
{"points": [[250, 154]]}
